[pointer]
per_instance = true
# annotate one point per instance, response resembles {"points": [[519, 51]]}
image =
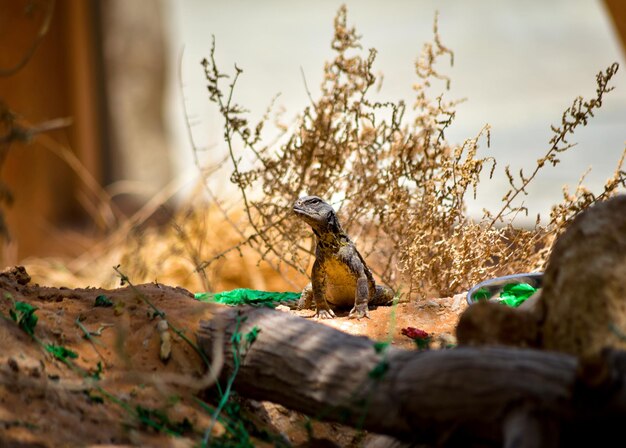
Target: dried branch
{"points": [[574, 116], [43, 30]]}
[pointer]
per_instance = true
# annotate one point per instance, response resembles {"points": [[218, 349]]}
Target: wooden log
{"points": [[484, 396]]}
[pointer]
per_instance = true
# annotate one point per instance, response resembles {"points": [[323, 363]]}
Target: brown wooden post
{"points": [[617, 11], [57, 81]]}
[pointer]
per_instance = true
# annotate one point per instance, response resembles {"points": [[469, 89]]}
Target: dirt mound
{"points": [[91, 372], [51, 399]]}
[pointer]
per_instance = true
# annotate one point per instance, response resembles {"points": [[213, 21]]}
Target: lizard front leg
{"points": [[361, 299], [318, 281], [306, 298]]}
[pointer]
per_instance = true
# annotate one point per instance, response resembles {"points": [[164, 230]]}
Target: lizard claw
{"points": [[359, 313], [324, 314]]}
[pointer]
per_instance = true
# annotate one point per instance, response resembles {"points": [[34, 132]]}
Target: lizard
{"points": [[340, 275]]}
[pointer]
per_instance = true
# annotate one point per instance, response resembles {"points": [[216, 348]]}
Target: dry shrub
{"points": [[399, 186]]}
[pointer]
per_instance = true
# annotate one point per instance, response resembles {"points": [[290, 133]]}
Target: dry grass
{"points": [[398, 184], [192, 251]]}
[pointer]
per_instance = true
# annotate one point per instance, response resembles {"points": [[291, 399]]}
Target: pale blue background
{"points": [[519, 64]]}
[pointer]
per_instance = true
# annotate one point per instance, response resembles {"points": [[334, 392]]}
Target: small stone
{"points": [[166, 347], [13, 364], [20, 275], [430, 304], [459, 301], [26, 365], [283, 308], [283, 410], [444, 340], [162, 326]]}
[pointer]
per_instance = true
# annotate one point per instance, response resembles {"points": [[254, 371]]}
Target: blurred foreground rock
{"points": [[582, 308]]}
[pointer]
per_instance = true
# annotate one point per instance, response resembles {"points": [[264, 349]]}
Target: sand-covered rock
{"points": [[582, 305], [584, 293]]}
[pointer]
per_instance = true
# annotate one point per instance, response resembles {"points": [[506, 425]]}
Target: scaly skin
{"points": [[340, 275]]}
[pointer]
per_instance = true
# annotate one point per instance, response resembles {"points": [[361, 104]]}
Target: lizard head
{"points": [[317, 213]]}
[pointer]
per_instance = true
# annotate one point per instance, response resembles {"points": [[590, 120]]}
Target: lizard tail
{"points": [[383, 296]]}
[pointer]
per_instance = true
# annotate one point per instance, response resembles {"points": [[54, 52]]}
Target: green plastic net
{"points": [[244, 296], [512, 294]]}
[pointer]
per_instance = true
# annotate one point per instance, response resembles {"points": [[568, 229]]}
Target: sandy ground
{"points": [[48, 402]]}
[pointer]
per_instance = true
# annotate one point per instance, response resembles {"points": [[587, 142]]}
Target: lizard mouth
{"points": [[306, 214], [299, 210]]}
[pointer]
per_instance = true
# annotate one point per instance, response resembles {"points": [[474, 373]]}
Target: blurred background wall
{"points": [[122, 70], [61, 77], [136, 63], [104, 64]]}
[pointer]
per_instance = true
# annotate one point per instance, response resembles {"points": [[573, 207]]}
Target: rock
{"points": [[14, 277], [488, 323], [284, 308], [26, 365], [582, 305], [432, 304], [459, 301], [165, 351], [584, 292], [444, 340]]}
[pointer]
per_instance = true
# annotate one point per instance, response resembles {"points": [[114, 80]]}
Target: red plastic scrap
{"points": [[414, 333]]}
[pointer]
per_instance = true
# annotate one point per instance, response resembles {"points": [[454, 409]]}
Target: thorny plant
{"points": [[398, 184]]}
